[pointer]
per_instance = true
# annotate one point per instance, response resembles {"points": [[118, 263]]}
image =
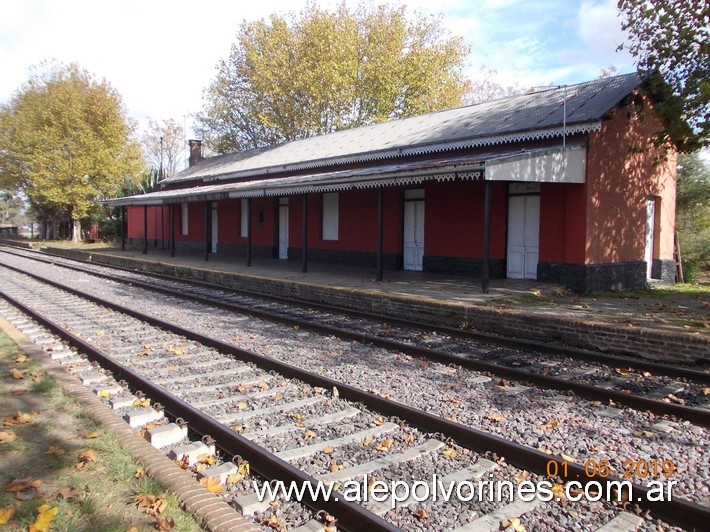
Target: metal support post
{"points": [[485, 277], [145, 229], [304, 258], [380, 236]]}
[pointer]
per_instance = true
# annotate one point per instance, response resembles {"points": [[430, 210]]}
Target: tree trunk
{"points": [[76, 231]]}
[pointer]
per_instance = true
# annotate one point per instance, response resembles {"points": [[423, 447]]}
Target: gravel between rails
{"points": [[583, 430]]}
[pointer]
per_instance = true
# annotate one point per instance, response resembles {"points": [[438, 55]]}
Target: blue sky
{"points": [[161, 54]]}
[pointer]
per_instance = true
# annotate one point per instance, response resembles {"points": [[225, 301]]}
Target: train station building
{"points": [[565, 185]]}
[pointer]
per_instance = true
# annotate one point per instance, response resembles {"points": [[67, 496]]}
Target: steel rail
{"points": [[616, 361], [677, 511], [588, 391], [350, 516]]}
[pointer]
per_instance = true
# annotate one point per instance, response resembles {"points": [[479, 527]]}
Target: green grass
{"points": [[107, 489], [658, 292]]}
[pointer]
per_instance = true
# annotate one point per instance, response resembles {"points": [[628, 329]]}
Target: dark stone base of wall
{"points": [[365, 259], [458, 265], [583, 278], [663, 270], [240, 251]]}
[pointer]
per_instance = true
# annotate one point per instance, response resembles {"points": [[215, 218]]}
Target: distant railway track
{"points": [[635, 383], [684, 513]]}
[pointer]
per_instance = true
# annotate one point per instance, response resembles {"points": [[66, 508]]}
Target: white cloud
{"points": [[600, 33], [161, 54]]}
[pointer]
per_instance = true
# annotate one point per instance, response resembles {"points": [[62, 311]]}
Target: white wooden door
{"points": [[523, 236], [413, 233], [283, 231], [650, 225], [214, 228]]}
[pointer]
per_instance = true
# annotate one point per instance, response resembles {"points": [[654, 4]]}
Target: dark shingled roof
{"points": [[525, 117]]}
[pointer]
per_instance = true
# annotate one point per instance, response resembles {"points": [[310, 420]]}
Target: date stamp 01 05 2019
{"points": [[638, 470]]}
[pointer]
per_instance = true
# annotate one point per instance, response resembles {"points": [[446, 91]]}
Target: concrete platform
{"points": [[513, 308], [453, 288]]}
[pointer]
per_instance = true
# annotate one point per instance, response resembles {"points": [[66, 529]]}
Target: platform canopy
{"points": [[543, 165]]}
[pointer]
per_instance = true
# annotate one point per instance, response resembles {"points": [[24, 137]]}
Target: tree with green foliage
{"points": [[66, 143], [672, 37], [693, 214], [319, 71]]}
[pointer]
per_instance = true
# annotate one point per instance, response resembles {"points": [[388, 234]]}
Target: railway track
{"points": [[418, 431], [659, 388]]}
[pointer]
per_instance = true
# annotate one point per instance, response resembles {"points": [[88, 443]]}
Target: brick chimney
{"points": [[195, 151]]}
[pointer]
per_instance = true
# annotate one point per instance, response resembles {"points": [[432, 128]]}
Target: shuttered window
{"points": [[183, 218], [330, 216], [245, 218]]}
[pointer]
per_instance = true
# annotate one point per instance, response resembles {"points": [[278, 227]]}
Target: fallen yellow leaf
{"points": [[25, 489], [7, 436], [212, 484], [104, 394], [93, 434], [208, 459], [379, 421], [273, 521], [513, 522], [368, 441], [17, 374], [55, 450], [450, 453], [385, 445], [45, 514], [20, 418], [550, 425], [6, 514], [495, 416], [308, 435], [89, 455], [421, 514], [151, 504], [559, 491], [68, 493], [21, 359], [328, 450]]}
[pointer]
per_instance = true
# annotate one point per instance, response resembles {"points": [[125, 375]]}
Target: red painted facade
{"points": [[599, 222]]}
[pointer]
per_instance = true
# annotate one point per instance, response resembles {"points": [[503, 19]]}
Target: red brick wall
{"points": [[454, 219], [624, 169]]}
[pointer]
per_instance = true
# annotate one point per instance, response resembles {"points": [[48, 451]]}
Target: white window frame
{"points": [[185, 226], [330, 215], [244, 230]]}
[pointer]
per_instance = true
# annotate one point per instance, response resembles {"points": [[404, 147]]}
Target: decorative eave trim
{"points": [[360, 182], [425, 149]]}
